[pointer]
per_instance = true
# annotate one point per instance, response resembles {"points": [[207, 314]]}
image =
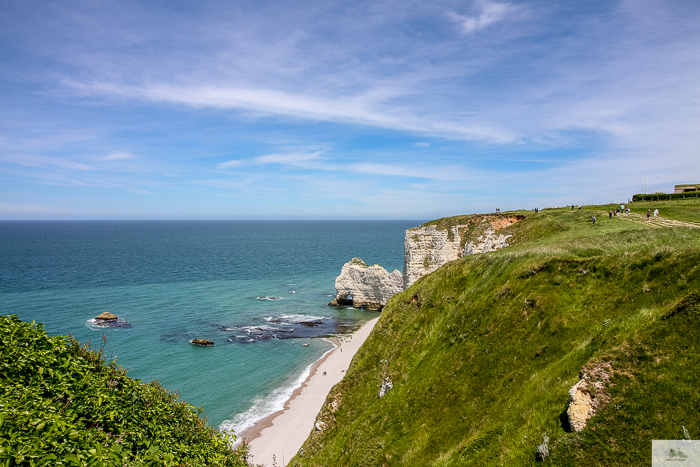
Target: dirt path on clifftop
{"points": [[656, 222]]}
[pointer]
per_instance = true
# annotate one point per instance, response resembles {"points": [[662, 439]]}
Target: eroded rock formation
{"points": [[489, 241], [588, 395], [387, 385], [428, 247], [366, 286]]}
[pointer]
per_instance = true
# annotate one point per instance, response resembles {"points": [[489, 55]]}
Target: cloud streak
{"points": [[488, 13], [376, 107]]}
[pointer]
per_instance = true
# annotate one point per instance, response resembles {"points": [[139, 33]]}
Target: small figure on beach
{"points": [[656, 213], [579, 207], [648, 213], [610, 214], [324, 373], [593, 220], [572, 208]]}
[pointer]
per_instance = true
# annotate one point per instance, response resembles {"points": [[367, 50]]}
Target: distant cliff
{"points": [[436, 243], [426, 248]]}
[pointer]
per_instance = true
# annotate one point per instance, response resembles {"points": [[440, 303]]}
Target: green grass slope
{"points": [[62, 404], [482, 353]]}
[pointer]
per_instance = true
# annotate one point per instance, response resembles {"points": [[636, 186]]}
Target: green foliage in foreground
{"points": [[482, 353], [62, 404]]}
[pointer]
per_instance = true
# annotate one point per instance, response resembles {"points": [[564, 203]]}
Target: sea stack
{"points": [[366, 286]]}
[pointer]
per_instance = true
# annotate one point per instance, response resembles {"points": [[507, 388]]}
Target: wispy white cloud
{"points": [[378, 107], [314, 162], [293, 158], [223, 183], [30, 160], [487, 13], [116, 156]]}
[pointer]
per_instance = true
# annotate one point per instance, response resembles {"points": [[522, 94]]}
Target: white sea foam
{"points": [[300, 318], [264, 407], [294, 319], [92, 324], [249, 329]]}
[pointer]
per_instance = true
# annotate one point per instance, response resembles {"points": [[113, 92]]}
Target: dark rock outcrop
{"points": [[203, 342]]}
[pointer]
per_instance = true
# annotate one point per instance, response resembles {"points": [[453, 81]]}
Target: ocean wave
{"points": [[264, 407], [269, 298], [294, 319]]}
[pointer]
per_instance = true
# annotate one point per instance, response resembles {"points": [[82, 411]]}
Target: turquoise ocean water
{"points": [[258, 289]]}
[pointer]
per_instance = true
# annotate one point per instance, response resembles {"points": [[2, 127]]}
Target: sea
{"points": [[257, 289]]}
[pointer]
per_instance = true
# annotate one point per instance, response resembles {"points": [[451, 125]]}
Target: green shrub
{"points": [[63, 404], [664, 196]]}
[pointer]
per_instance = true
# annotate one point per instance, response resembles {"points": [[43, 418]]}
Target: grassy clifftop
{"points": [[482, 353]]}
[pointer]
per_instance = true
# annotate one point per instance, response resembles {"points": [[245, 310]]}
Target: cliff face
{"points": [[366, 286], [428, 247]]}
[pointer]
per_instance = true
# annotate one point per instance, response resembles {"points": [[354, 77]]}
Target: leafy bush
{"points": [[63, 404], [664, 196]]}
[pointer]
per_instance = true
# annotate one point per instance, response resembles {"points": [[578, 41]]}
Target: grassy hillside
{"points": [[62, 404], [482, 353]]}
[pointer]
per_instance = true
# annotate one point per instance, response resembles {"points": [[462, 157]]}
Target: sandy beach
{"points": [[282, 433]]}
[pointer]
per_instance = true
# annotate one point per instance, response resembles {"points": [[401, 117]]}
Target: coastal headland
{"points": [[575, 345]]}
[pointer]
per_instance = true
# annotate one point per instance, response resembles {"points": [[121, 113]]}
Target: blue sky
{"points": [[342, 110]]}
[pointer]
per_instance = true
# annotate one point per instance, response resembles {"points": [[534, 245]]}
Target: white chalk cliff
{"points": [[366, 286], [426, 248]]}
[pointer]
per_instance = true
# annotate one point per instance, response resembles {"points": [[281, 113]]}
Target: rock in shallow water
{"points": [[107, 316], [203, 342]]}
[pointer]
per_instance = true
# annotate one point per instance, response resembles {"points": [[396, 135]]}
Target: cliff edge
{"points": [[433, 244]]}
